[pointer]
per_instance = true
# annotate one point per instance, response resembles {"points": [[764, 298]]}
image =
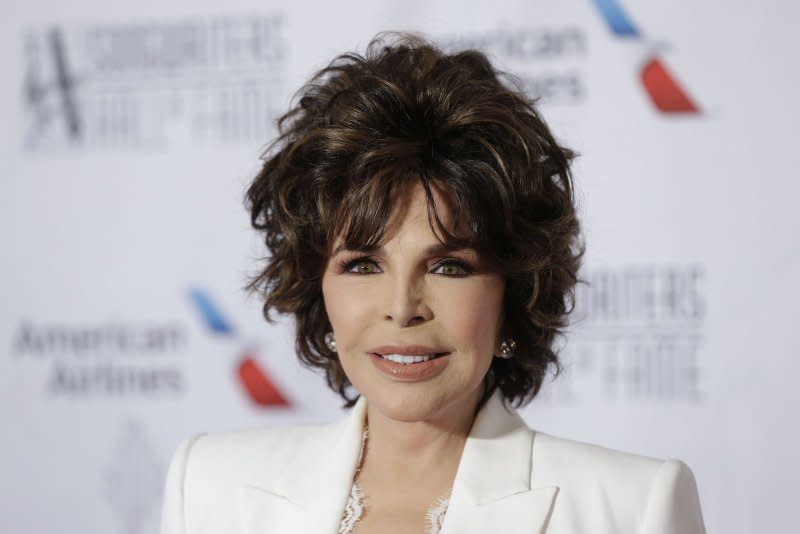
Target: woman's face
{"points": [[410, 297]]}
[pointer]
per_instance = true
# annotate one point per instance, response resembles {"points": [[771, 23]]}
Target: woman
{"points": [[422, 232]]}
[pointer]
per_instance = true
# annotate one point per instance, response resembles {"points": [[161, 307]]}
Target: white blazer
{"points": [[511, 479]]}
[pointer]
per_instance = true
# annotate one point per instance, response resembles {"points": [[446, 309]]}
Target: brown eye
{"points": [[452, 268], [361, 266]]}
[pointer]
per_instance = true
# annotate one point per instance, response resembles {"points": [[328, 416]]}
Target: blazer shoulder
{"points": [[592, 459], [248, 456], [638, 493], [207, 471]]}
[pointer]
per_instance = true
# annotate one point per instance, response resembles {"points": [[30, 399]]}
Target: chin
{"points": [[410, 404], [407, 408]]}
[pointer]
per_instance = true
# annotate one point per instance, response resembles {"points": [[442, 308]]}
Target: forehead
{"points": [[415, 208]]}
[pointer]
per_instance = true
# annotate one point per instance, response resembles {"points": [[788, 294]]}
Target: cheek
{"points": [[472, 314], [336, 304], [345, 309]]}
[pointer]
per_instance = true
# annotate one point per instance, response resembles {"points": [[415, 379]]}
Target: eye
{"points": [[362, 265], [452, 268]]}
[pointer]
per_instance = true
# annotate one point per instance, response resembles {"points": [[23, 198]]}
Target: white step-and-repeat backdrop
{"points": [[131, 129]]}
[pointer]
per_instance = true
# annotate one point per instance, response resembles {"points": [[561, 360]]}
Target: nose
{"points": [[407, 304]]}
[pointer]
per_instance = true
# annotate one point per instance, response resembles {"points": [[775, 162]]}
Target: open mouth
{"points": [[410, 359]]}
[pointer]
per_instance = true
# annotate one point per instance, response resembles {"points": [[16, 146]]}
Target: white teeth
{"points": [[406, 359]]}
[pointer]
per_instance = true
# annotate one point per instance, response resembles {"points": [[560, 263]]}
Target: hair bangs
{"points": [[368, 215]]}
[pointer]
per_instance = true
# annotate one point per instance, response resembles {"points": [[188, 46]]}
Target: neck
{"points": [[408, 453]]}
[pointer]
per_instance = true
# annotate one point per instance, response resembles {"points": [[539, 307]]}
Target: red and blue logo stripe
{"points": [[664, 91], [253, 379]]}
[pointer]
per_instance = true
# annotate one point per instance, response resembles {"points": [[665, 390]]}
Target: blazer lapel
{"points": [[312, 493], [493, 490]]}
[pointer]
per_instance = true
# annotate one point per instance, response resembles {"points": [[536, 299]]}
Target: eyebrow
{"points": [[430, 250]]}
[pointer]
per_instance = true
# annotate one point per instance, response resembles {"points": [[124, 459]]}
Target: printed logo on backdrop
{"points": [[112, 359], [666, 94], [133, 480], [253, 378], [547, 60], [637, 335], [120, 359], [153, 84]]}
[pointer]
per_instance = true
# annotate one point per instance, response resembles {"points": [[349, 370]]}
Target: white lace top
{"points": [[355, 507]]}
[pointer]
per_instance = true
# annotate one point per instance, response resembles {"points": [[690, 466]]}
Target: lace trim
{"points": [[355, 506], [353, 510], [434, 517]]}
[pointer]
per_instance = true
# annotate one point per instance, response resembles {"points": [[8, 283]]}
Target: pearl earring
{"points": [[330, 342], [507, 348]]}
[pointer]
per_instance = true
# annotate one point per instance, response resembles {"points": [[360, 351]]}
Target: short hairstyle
{"points": [[359, 132]]}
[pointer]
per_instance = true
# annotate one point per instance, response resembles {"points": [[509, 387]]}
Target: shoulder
{"points": [[565, 457], [570, 460], [207, 471], [661, 493], [244, 455]]}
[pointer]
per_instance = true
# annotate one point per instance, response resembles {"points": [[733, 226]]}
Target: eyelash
{"points": [[345, 266]]}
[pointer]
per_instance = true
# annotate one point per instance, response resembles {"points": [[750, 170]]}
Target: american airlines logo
{"points": [[665, 92], [252, 376]]}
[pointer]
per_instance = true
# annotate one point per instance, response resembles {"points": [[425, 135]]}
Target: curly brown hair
{"points": [[363, 128]]}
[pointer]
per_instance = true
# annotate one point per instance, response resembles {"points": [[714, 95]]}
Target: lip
{"points": [[414, 372], [407, 350]]}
